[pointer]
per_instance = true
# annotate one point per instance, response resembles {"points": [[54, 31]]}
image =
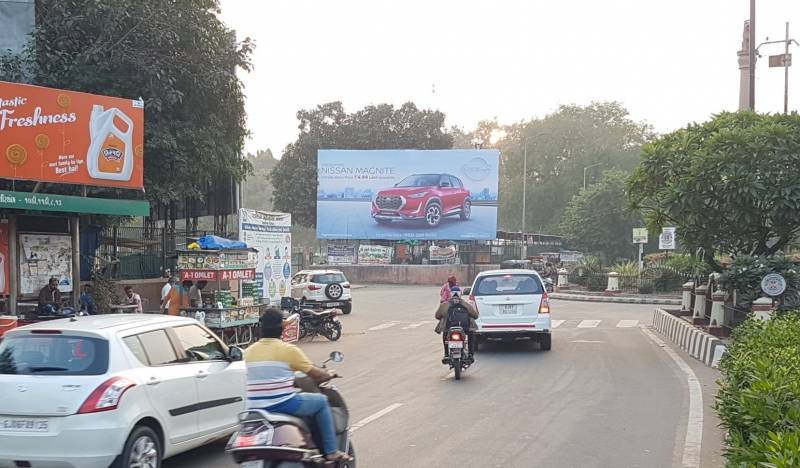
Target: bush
{"points": [[745, 273], [759, 398], [686, 264]]}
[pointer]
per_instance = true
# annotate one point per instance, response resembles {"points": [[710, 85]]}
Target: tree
{"points": [[330, 127], [597, 220], [560, 146], [257, 190], [730, 185], [177, 55]]}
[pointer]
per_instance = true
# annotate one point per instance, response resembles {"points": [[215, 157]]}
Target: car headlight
{"points": [[417, 195]]}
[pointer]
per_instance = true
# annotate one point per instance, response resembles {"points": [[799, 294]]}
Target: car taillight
{"points": [[544, 306], [314, 287], [456, 336], [346, 285], [106, 397]]}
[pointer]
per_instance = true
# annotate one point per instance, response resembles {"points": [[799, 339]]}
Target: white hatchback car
{"points": [[323, 288], [115, 390], [512, 304]]}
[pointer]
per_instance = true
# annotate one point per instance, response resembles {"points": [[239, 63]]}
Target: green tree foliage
{"points": [[329, 127], [560, 146], [257, 189], [597, 219], [730, 185], [176, 55]]}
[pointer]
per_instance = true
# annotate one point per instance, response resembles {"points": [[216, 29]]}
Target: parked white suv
{"points": [[512, 304], [323, 288], [115, 390]]}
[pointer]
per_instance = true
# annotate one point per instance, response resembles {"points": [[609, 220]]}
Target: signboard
{"points": [[640, 235], [4, 270], [782, 60], [42, 257], [571, 256], [66, 137], [65, 203], [270, 234], [291, 329], [407, 194], [219, 275], [374, 255], [443, 254], [666, 241], [216, 260], [773, 284], [341, 254]]}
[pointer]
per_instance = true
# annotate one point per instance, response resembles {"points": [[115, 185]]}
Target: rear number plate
{"points": [[252, 464], [334, 304], [508, 309], [456, 344], [24, 425]]}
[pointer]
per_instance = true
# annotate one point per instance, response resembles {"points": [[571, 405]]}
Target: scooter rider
{"points": [[444, 315], [271, 364]]}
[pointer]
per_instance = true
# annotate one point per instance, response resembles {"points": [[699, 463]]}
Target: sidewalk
{"points": [[617, 299]]}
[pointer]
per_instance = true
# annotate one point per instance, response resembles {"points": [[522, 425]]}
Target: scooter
{"points": [[457, 356], [274, 440]]}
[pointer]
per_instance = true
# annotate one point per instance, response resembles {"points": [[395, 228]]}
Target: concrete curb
{"points": [[616, 299], [700, 345]]}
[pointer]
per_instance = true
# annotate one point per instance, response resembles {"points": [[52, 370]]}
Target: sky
{"points": [[670, 62]]}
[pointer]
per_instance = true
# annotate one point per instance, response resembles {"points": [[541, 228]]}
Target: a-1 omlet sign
{"points": [[66, 137]]}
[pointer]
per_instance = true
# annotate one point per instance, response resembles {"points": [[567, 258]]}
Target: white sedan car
{"points": [[114, 390]]}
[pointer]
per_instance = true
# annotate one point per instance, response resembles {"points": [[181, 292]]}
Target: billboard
{"points": [[407, 194], [271, 235], [66, 137]]}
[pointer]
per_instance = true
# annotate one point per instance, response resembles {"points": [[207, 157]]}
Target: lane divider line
{"points": [[694, 425], [417, 325], [383, 326], [374, 417], [556, 323]]}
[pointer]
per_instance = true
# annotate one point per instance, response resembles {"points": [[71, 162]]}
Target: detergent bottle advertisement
{"points": [[53, 135]]}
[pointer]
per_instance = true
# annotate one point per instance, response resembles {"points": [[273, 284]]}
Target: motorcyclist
{"points": [[271, 364], [451, 313]]}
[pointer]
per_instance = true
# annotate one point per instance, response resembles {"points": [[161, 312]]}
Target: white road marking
{"points": [[694, 426], [586, 341], [416, 325], [374, 416], [556, 323], [383, 326], [589, 323], [627, 323]]}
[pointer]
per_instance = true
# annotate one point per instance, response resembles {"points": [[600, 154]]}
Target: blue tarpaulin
{"points": [[219, 243]]}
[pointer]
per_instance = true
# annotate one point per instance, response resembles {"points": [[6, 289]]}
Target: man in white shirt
{"points": [[165, 292]]}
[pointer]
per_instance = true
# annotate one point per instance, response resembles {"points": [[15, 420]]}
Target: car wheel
{"points": [[142, 449], [433, 214], [466, 210], [545, 342], [334, 291]]}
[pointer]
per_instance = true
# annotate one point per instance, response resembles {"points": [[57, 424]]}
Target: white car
{"points": [[512, 304], [323, 288], [115, 390]]}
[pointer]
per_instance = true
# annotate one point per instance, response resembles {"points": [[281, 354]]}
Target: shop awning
{"points": [[70, 204]]}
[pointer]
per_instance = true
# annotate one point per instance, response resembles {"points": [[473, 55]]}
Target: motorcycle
{"points": [[314, 323], [274, 440], [457, 356]]}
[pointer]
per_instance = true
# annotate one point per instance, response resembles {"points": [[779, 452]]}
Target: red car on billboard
{"points": [[426, 197]]}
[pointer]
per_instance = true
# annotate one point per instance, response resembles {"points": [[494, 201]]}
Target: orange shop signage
{"points": [[53, 135]]}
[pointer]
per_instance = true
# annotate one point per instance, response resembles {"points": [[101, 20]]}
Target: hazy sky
{"points": [[668, 61]]}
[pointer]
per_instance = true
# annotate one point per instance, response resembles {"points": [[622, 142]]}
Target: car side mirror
{"points": [[467, 291], [235, 354], [337, 356]]}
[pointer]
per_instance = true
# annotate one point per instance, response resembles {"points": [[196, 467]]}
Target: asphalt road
{"points": [[353, 220], [606, 395]]}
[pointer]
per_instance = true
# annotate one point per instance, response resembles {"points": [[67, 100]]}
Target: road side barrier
{"points": [[700, 345]]}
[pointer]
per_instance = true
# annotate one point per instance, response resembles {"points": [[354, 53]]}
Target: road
{"points": [[606, 395]]}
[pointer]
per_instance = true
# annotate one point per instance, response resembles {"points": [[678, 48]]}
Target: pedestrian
{"points": [[444, 293], [87, 301], [196, 294], [165, 292], [179, 297], [132, 298], [49, 298]]}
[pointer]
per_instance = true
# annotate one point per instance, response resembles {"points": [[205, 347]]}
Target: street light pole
{"points": [[584, 173], [524, 196], [752, 70], [786, 73]]}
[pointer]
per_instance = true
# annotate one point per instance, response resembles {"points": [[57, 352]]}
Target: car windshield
{"points": [[495, 285], [420, 180], [53, 355], [328, 278]]}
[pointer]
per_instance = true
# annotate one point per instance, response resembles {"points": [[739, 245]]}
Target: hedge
{"points": [[759, 397]]}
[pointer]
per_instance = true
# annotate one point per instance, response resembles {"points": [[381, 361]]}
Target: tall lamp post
{"points": [[584, 173]]}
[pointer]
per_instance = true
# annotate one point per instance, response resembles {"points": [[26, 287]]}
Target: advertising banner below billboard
{"points": [[271, 235], [407, 194], [374, 255], [341, 254], [67, 137], [443, 254]]}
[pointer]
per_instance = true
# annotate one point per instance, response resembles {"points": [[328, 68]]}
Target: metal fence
{"points": [[649, 281]]}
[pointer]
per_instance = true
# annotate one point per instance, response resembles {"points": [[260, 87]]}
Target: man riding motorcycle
{"points": [[457, 312], [271, 364]]}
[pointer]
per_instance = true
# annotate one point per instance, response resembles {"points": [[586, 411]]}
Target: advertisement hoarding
{"points": [[407, 194], [341, 254], [67, 137], [374, 255], [43, 257], [4, 270], [271, 235], [666, 241], [443, 254]]}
